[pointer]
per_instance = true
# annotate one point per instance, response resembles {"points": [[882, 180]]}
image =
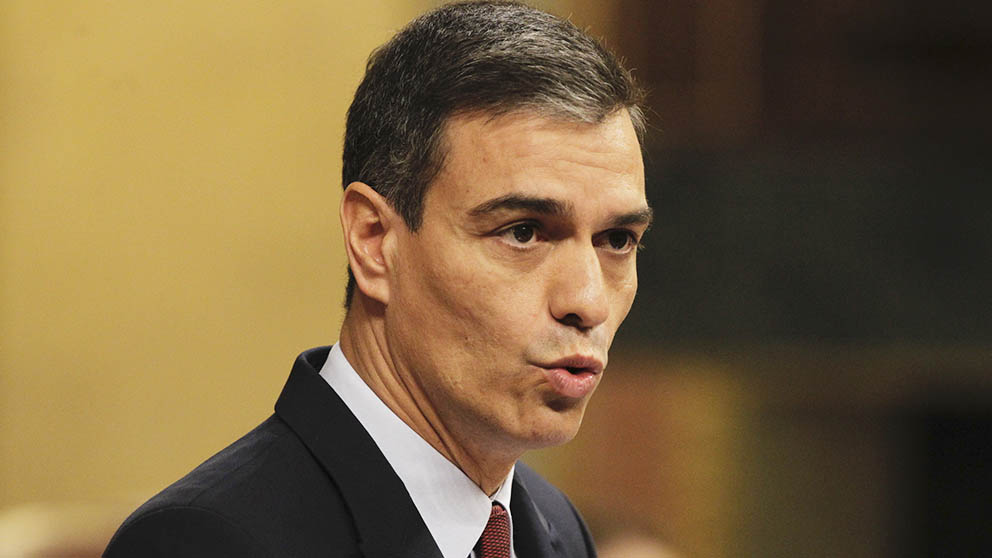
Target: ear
{"points": [[367, 222]]}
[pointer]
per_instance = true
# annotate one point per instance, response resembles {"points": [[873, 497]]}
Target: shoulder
{"points": [[183, 531], [557, 511], [263, 495]]}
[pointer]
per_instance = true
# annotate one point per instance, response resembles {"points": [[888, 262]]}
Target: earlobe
{"points": [[366, 223]]}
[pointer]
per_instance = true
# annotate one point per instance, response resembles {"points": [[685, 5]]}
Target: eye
{"points": [[521, 234], [619, 240]]}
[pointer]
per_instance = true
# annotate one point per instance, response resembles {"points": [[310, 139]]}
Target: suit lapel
{"points": [[387, 521], [533, 535]]}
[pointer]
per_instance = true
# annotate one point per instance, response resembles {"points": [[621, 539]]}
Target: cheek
{"points": [[485, 309], [485, 317], [450, 297], [624, 290]]}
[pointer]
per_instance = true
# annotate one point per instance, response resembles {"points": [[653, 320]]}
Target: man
{"points": [[493, 205]]}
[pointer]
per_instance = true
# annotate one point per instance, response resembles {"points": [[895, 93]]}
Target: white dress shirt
{"points": [[453, 507]]}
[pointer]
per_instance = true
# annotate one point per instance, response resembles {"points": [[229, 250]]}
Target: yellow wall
{"points": [[169, 174]]}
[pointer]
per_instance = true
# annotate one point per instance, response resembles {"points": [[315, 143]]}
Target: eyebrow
{"points": [[555, 208], [643, 216], [516, 202]]}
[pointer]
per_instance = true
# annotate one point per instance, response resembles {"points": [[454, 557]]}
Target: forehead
{"points": [[523, 153]]}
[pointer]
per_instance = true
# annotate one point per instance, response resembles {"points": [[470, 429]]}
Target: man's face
{"points": [[503, 305]]}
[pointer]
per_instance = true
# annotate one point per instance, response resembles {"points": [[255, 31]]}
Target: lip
{"points": [[577, 362], [575, 376]]}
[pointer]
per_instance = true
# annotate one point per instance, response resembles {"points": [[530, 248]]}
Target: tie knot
{"points": [[495, 539]]}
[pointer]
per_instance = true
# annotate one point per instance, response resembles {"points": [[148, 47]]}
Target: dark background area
{"points": [[837, 189], [820, 173]]}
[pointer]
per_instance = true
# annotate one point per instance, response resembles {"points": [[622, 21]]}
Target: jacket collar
{"points": [[387, 522], [533, 534]]}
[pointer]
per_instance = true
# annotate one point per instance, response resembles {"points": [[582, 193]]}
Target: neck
{"points": [[365, 344]]}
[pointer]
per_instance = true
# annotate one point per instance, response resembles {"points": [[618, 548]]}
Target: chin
{"points": [[554, 425]]}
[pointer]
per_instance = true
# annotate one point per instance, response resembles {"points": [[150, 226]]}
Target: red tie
{"points": [[495, 539]]}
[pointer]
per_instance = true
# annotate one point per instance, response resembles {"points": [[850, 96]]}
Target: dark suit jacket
{"points": [[309, 481]]}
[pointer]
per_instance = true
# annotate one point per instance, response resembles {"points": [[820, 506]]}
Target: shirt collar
{"points": [[453, 507]]}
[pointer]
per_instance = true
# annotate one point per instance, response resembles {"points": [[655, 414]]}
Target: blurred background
{"points": [[808, 367]]}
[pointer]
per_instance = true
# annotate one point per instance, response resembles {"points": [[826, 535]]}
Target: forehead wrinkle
{"points": [[514, 139], [575, 155], [527, 149]]}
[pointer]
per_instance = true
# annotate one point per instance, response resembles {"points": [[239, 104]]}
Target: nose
{"points": [[578, 291]]}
